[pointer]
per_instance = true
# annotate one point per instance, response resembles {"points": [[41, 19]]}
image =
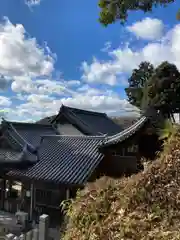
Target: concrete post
{"points": [[22, 237], [43, 227], [10, 236], [16, 238], [29, 235], [25, 221], [35, 234]]}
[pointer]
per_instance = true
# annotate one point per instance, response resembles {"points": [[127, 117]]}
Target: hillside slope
{"points": [[145, 206]]}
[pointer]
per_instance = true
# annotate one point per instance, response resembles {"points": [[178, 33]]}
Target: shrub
{"points": [[145, 206]]}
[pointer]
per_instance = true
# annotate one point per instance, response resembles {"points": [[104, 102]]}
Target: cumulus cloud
{"points": [[40, 106], [21, 58], [20, 55], [32, 3], [5, 101], [98, 72], [39, 94], [124, 59], [148, 28]]}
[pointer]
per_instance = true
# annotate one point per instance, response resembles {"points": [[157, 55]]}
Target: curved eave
{"points": [[19, 139], [24, 152], [11, 159], [119, 137]]}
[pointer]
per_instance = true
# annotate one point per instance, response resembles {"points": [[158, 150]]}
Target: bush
{"points": [[145, 206]]}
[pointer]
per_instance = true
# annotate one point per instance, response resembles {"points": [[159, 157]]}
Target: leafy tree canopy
{"points": [[114, 10], [137, 82], [163, 89]]}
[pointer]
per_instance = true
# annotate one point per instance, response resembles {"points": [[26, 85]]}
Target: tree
{"points": [[114, 10], [137, 82], [163, 89]]}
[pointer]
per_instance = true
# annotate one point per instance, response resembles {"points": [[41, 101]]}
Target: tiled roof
{"points": [[46, 120], [65, 159], [10, 158], [125, 133], [23, 140], [29, 132], [92, 123]]}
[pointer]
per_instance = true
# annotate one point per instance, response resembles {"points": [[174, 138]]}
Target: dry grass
{"points": [[145, 206]]}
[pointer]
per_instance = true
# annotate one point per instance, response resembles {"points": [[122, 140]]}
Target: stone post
{"points": [[29, 235], [22, 237], [35, 234], [10, 236], [43, 227]]}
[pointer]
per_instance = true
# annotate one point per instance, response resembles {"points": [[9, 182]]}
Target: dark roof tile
{"points": [[20, 142], [46, 120], [29, 132], [65, 159], [119, 137], [93, 123]]}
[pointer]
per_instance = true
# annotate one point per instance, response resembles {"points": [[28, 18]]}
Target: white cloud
{"points": [[124, 59], [37, 107], [73, 83], [20, 55], [113, 105], [98, 72], [5, 102], [40, 99], [148, 28], [39, 96], [32, 3]]}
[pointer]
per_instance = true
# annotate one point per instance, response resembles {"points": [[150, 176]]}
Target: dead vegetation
{"points": [[145, 206]]}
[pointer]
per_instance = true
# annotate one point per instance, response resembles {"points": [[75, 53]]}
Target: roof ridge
{"points": [[80, 120], [75, 136], [28, 123], [86, 111]]}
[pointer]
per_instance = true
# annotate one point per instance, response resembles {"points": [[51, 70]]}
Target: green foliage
{"points": [[167, 130], [137, 82], [155, 87], [115, 10], [163, 90]]}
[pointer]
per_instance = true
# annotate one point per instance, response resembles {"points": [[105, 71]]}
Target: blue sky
{"points": [[54, 52]]}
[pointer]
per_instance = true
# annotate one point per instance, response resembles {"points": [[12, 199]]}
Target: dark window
{"points": [[132, 149], [119, 152], [48, 197]]}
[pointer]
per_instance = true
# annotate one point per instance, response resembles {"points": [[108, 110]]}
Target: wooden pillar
{"points": [[32, 201], [67, 194], [10, 185], [3, 190], [10, 205]]}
